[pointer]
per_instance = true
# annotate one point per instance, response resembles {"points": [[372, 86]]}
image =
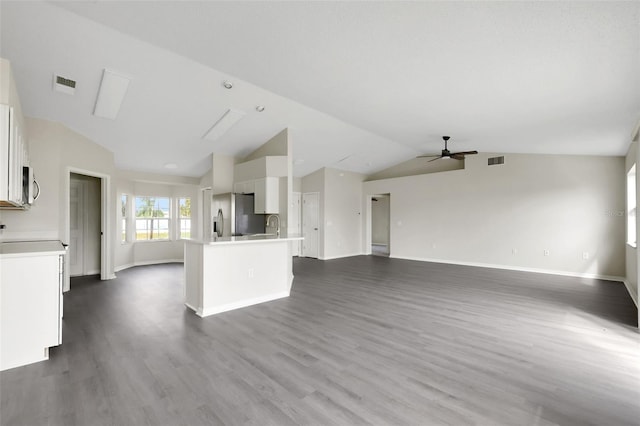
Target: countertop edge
{"points": [[244, 241]]}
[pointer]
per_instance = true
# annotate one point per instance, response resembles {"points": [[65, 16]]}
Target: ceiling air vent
{"points": [[64, 85], [493, 161]]}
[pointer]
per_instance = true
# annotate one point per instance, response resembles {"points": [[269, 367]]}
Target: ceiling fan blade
{"points": [[437, 158], [457, 156], [428, 156], [465, 153]]}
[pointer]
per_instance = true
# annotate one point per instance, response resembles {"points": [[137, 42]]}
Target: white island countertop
{"points": [[31, 248], [244, 239]]}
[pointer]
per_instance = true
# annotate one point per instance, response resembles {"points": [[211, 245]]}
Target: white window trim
{"points": [[178, 227]]}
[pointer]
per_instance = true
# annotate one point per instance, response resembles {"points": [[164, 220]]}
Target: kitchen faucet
{"points": [[277, 222]]}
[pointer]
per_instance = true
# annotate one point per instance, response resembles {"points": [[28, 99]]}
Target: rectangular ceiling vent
{"points": [[494, 161], [64, 85]]}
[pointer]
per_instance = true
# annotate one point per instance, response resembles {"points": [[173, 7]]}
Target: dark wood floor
{"points": [[363, 340]]}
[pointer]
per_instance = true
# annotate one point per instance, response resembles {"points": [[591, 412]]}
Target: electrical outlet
{"points": [[514, 251], [250, 272], [585, 255], [546, 252]]}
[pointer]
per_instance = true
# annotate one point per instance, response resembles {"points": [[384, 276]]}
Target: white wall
{"points": [[222, 173], [417, 166], [277, 145], [342, 213], [567, 205]]}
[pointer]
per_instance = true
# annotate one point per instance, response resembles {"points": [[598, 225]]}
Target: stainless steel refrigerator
{"points": [[233, 214]]}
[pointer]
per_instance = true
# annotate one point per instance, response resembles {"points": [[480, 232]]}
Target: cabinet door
{"points": [[15, 166], [259, 199], [246, 187], [267, 195], [30, 309], [5, 125], [249, 187]]}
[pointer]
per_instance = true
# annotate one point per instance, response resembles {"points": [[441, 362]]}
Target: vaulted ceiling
{"points": [[361, 85]]}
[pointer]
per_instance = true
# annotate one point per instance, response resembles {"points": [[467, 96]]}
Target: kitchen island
{"points": [[233, 272]]}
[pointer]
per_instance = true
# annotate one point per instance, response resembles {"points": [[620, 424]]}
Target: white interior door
{"points": [[310, 224], [76, 227], [295, 220]]}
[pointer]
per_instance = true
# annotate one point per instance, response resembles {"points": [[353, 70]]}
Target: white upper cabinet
{"points": [[267, 196], [246, 187], [13, 144]]}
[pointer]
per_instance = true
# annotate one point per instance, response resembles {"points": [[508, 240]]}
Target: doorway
{"points": [[310, 224], [380, 221], [85, 206]]}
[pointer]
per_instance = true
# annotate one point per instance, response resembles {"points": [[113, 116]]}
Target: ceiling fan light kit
{"points": [[448, 154]]}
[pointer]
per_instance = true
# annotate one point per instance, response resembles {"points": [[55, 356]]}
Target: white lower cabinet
{"points": [[30, 305]]}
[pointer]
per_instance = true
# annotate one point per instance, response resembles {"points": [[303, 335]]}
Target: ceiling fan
{"points": [[448, 154]]}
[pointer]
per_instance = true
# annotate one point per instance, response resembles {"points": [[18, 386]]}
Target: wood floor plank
{"points": [[361, 340]]}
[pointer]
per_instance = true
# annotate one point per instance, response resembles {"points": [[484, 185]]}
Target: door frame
{"points": [[105, 237], [368, 200], [296, 198], [303, 254]]}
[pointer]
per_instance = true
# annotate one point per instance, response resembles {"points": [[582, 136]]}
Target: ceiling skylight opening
{"points": [[224, 123], [113, 88]]}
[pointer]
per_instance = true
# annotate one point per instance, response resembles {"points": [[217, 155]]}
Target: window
{"points": [[631, 206], [152, 218], [124, 201], [184, 211]]}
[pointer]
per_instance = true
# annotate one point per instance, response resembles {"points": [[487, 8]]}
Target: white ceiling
{"points": [[375, 82]]}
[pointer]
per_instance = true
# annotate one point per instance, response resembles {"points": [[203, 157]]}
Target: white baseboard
{"points": [[634, 296], [517, 268], [123, 267], [205, 312], [193, 308], [340, 256], [147, 262]]}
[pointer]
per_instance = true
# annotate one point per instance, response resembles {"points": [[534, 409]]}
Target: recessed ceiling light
{"points": [[227, 84], [259, 108], [170, 166]]}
